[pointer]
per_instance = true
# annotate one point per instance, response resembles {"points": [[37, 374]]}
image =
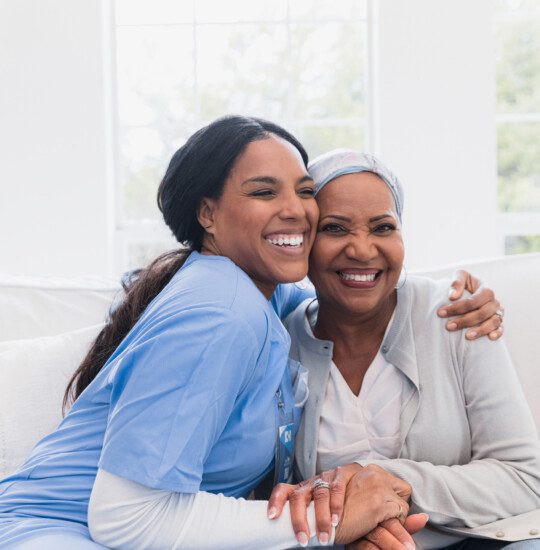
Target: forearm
{"points": [[126, 515]]}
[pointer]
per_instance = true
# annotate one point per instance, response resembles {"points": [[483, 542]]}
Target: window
{"points": [[517, 27], [301, 63]]}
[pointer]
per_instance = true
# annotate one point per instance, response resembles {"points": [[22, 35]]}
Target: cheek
{"points": [[320, 258]]}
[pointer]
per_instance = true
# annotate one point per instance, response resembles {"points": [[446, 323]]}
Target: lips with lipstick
{"points": [[359, 278]]}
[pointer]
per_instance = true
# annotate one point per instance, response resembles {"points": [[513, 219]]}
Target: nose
{"points": [[292, 206], [361, 247]]}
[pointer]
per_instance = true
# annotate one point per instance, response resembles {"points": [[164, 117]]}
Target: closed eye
{"points": [[333, 228], [263, 193], [307, 192]]}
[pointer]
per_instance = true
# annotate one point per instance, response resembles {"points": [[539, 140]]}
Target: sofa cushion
{"points": [[31, 307], [34, 375]]}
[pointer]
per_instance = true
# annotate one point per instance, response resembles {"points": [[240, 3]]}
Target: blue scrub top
{"points": [[188, 401]]}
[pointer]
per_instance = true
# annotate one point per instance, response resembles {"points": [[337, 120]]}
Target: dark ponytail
{"points": [[197, 170]]}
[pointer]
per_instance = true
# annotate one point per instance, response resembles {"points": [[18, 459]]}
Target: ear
{"points": [[206, 214]]}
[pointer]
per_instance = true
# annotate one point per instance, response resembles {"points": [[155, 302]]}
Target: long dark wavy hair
{"points": [[197, 170]]}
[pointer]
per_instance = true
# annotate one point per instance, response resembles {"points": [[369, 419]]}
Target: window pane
{"points": [[323, 9], [518, 66], [242, 69], [522, 244], [320, 139], [516, 6], [519, 167], [155, 74], [240, 10], [141, 254], [141, 12], [327, 70]]}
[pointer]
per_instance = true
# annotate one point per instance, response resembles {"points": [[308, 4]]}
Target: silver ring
{"points": [[500, 313], [320, 484], [400, 511]]}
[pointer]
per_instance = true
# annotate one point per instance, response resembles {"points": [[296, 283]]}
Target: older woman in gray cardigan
{"points": [[389, 386]]}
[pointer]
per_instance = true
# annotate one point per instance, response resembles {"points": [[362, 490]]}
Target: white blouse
{"points": [[365, 426]]}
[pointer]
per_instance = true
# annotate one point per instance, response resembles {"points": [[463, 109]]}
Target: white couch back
{"points": [[39, 350], [31, 307]]}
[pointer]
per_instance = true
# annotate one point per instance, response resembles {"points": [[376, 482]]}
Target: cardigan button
{"points": [[384, 349], [533, 532], [499, 534]]}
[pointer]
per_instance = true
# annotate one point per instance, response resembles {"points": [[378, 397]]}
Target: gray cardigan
{"points": [[469, 446]]}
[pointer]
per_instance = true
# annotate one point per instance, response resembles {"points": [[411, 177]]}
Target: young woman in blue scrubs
{"points": [[187, 389]]}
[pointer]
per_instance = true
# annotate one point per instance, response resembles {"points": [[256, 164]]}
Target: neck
{"points": [[353, 333]]}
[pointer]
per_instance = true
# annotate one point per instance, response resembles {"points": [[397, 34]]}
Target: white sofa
{"points": [[47, 324]]}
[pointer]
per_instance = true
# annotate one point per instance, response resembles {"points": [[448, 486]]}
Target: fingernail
{"points": [[335, 520], [272, 512], [323, 538], [442, 313], [302, 538], [451, 326], [452, 293], [426, 515], [408, 545], [472, 334]]}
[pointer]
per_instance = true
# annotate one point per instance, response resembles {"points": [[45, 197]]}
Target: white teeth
{"points": [[356, 277], [287, 240]]}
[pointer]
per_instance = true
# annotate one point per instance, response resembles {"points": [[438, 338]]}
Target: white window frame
{"points": [[127, 232], [517, 224]]}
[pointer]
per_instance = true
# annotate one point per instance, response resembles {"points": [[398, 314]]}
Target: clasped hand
{"points": [[367, 506]]}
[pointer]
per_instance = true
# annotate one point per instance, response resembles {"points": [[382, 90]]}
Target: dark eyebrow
{"points": [[381, 217], [274, 181], [343, 218], [337, 217]]}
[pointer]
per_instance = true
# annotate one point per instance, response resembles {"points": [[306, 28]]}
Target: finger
{"points": [[321, 499], [496, 334], [465, 305], [472, 283], [415, 523], [402, 488], [395, 508], [459, 280], [338, 488], [493, 324], [278, 498], [475, 318], [400, 533], [299, 500], [384, 539]]}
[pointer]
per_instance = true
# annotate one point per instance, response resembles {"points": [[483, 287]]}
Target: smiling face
{"points": [[266, 217], [358, 253]]}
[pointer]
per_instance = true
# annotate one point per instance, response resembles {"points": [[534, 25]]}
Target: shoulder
{"points": [[295, 322], [425, 296], [212, 284]]}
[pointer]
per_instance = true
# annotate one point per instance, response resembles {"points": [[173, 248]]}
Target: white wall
{"points": [[435, 104], [436, 127], [53, 194]]}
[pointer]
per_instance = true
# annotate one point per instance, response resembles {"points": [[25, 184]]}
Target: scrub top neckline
{"points": [[196, 255]]}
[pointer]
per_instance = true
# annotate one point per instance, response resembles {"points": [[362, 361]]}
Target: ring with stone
{"points": [[320, 484], [500, 313]]}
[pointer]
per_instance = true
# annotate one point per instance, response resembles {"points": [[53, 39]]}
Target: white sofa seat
{"points": [[47, 325]]}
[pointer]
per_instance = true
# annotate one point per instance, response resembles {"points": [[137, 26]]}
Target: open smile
{"points": [[290, 243], [360, 278]]}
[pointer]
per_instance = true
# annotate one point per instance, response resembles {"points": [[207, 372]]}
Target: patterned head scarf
{"points": [[329, 166]]}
